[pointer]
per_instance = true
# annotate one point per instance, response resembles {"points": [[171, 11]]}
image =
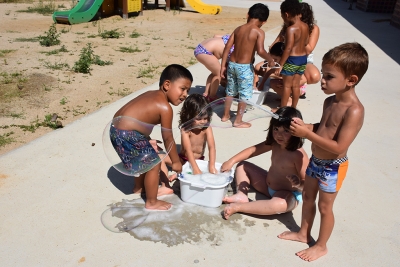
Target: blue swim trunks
{"points": [[134, 150], [297, 195], [201, 50], [330, 173], [294, 65], [240, 80]]}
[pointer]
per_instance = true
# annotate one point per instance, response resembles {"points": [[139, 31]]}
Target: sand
{"points": [[31, 86]]}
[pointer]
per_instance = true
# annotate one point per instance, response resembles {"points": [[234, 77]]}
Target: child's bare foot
{"points": [[312, 253], [238, 197], [242, 125], [229, 210], [172, 177], [225, 118], [294, 236], [163, 190], [158, 205]]}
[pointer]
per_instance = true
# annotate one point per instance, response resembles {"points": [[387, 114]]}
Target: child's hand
{"points": [[295, 181], [223, 70], [212, 169], [153, 143], [278, 71], [177, 167], [226, 166], [298, 128]]}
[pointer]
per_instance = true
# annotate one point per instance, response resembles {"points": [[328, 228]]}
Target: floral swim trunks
{"points": [[134, 150], [240, 80], [330, 173]]}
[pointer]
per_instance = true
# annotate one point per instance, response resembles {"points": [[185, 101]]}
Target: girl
{"points": [[196, 133], [284, 180]]}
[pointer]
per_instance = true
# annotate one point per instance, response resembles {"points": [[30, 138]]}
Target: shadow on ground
{"points": [[376, 26]]}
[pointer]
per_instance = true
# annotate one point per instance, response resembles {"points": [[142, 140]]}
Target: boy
{"points": [[247, 39], [294, 58], [152, 108], [342, 118]]}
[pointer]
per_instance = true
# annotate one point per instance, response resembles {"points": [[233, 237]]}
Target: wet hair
{"points": [[277, 49], [292, 7], [285, 117], [307, 15], [193, 107], [350, 58], [259, 11], [173, 72]]}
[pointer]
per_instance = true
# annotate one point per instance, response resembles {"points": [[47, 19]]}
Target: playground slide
{"points": [[84, 11], [203, 8]]}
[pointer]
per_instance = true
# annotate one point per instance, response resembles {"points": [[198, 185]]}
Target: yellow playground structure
{"points": [[197, 5]]}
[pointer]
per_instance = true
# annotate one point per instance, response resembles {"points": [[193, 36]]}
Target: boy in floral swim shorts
{"points": [[247, 39]]}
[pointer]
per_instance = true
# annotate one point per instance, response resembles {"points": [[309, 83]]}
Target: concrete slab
{"points": [[54, 190]]}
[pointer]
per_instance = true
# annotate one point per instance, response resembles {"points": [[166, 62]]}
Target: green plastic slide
{"points": [[84, 11]]}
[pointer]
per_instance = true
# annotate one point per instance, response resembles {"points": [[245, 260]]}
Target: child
{"points": [[195, 134], [247, 39], [342, 118], [152, 107], [294, 59], [282, 183], [209, 52]]}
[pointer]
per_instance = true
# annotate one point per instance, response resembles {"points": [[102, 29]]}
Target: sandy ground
{"points": [[31, 87]]}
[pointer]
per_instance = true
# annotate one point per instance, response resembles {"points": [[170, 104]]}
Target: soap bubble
{"points": [[123, 217], [250, 111], [131, 152]]}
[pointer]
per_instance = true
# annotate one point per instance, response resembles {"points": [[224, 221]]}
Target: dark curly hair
{"points": [[286, 113], [307, 15], [292, 7], [194, 106]]}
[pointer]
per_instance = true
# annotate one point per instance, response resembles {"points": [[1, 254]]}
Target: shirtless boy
{"points": [[247, 39], [342, 118], [294, 58], [152, 108]]}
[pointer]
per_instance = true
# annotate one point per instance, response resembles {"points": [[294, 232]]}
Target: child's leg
{"points": [[312, 74], [287, 89], [151, 180], [213, 65], [310, 191], [138, 187], [247, 174], [239, 123], [281, 202], [227, 108], [295, 90], [165, 188], [325, 206]]}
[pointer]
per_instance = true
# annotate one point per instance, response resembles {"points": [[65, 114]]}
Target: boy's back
{"points": [[298, 36]]}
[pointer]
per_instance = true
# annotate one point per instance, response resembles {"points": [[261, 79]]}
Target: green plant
{"points": [[115, 33], [65, 30], [55, 66], [87, 58], [3, 52], [134, 34], [63, 101], [5, 139], [52, 37], [147, 72], [22, 39]]}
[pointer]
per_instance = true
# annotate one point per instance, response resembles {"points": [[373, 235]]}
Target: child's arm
{"points": [[168, 138], [264, 79], [300, 163], [187, 147], [351, 125], [261, 50], [312, 41], [289, 42], [225, 54], [245, 154], [211, 150]]}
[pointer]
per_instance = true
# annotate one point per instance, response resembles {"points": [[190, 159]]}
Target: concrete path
{"points": [[54, 190]]}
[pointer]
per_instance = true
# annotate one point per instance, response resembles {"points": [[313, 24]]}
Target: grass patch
{"points": [[55, 66], [5, 139], [116, 33], [129, 49], [31, 40], [87, 58], [42, 8], [63, 49], [134, 34], [147, 72], [3, 52]]}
